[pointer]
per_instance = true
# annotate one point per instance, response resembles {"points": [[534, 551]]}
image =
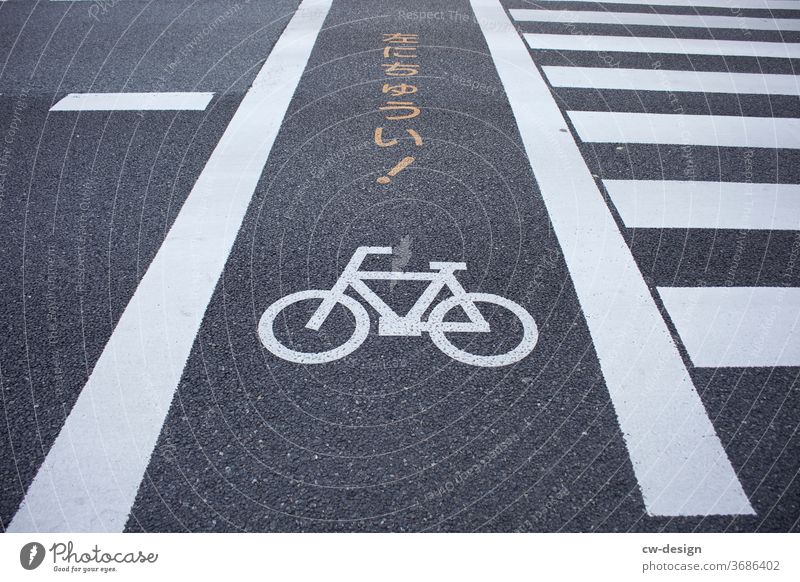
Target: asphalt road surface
{"points": [[483, 265]]}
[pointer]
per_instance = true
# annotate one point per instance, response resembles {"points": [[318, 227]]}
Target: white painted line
{"points": [[666, 80], [90, 477], [133, 102], [651, 19], [678, 460], [700, 130], [654, 45], [737, 326], [734, 4], [693, 204]]}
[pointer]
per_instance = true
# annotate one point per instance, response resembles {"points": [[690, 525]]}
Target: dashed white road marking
{"points": [[696, 204], [651, 19], [667, 80], [676, 46], [133, 102], [677, 457], [737, 326], [678, 129], [89, 480]]}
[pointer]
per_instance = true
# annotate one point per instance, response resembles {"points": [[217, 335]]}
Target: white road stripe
{"points": [[737, 326], [752, 4], [694, 204], [90, 477], [666, 80], [651, 19], [677, 458], [700, 130], [133, 102], [677, 46]]}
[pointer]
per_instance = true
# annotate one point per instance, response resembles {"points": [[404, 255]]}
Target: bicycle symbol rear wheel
{"points": [[266, 330], [530, 333]]}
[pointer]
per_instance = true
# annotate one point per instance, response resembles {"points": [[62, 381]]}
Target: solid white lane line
{"points": [[677, 457], [133, 102], [90, 477], [666, 80], [693, 204], [737, 326], [734, 4], [677, 46], [700, 130], [650, 19]]}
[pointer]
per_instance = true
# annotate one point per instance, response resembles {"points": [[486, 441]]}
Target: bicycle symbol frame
{"points": [[442, 275]]}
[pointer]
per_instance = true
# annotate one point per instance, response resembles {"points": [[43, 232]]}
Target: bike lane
{"points": [[397, 435]]}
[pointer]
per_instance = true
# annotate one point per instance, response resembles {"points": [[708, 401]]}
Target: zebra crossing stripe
{"points": [[667, 80], [90, 477], [737, 326], [695, 204], [677, 46], [676, 129], [651, 19], [677, 457], [730, 4]]}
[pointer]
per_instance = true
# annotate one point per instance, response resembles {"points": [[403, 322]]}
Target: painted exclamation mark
{"points": [[401, 165]]}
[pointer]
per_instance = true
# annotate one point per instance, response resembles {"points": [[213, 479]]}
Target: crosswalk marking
{"points": [[682, 46], [666, 80], [677, 457], [695, 204], [678, 129], [737, 326], [731, 4], [133, 102], [651, 19], [89, 479]]}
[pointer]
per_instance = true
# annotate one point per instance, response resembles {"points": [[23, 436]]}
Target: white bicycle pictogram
{"points": [[390, 323]]}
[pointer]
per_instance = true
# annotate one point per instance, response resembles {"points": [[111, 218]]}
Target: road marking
{"points": [[700, 130], [666, 80], [650, 19], [732, 4], [398, 167], [401, 51], [677, 46], [442, 275], [737, 326], [694, 204], [133, 102], [677, 457], [89, 480]]}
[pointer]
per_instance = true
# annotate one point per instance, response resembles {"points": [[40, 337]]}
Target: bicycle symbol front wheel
{"points": [[530, 333], [266, 330]]}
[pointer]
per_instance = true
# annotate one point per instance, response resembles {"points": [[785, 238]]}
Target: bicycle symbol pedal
{"points": [[442, 275]]}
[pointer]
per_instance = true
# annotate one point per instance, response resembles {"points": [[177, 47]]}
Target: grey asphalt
{"points": [[397, 436]]}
